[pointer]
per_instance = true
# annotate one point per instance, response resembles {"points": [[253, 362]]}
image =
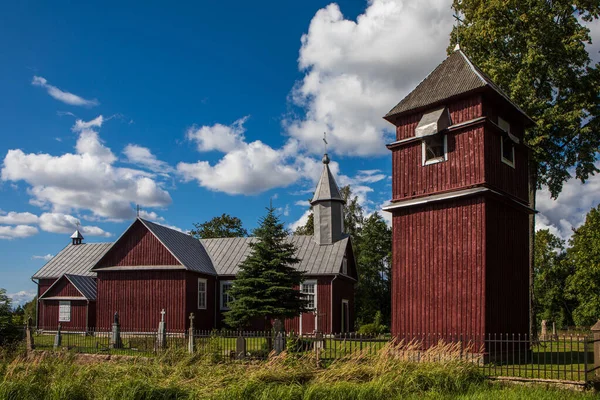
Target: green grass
{"points": [[175, 375]]}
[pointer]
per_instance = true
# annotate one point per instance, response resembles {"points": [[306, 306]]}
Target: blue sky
{"points": [[197, 110]]}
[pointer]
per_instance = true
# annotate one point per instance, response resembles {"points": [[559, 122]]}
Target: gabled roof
{"points": [[73, 259], [455, 76], [86, 285], [327, 188], [228, 253]]}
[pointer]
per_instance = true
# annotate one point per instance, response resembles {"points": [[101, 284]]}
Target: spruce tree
{"points": [[267, 283]]}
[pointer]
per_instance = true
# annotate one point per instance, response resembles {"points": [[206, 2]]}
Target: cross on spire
{"points": [[459, 21], [137, 210], [325, 141]]}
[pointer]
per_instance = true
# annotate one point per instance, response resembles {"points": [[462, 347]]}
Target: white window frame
{"points": [[505, 126], [345, 325], [314, 283], [221, 293], [202, 294], [434, 160], [64, 311]]}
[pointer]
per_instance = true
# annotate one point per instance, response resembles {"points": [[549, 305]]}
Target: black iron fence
{"points": [[565, 357]]}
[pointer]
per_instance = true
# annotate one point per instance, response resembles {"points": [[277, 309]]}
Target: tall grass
{"points": [[176, 375]]}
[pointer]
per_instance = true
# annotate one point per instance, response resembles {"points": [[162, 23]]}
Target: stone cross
{"points": [[162, 331], [544, 333], [162, 315], [115, 337], [58, 338], [191, 344]]}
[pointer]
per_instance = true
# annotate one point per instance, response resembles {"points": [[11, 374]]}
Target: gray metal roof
{"points": [[327, 188], [228, 253], [85, 284], [185, 248], [74, 259], [456, 75]]}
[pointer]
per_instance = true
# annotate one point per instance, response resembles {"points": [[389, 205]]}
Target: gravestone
{"points": [[58, 338], [240, 347], [544, 332], [191, 344], [279, 344], [161, 340], [115, 337]]}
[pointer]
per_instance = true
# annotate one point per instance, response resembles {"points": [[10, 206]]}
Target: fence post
{"points": [[29, 335], [57, 338], [596, 331], [115, 338], [191, 344]]}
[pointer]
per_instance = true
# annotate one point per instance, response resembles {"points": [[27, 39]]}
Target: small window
{"points": [[201, 294], [507, 146], [64, 311], [309, 289], [225, 297], [435, 149], [345, 266]]}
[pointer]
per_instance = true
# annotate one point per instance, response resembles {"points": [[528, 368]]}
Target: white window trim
{"points": [[60, 316], [435, 160], [223, 283], [505, 126], [311, 282], [202, 280]]}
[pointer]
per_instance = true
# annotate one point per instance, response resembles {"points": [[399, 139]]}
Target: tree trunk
{"points": [[532, 193]]}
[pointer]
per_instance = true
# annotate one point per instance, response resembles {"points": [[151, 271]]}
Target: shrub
{"points": [[374, 328]]}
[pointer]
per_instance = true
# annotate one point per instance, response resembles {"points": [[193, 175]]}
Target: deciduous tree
{"points": [[219, 227]]}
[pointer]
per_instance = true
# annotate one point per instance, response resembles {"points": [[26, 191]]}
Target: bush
{"points": [[374, 328]]}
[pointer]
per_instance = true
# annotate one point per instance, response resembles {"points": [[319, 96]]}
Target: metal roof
{"points": [[327, 189], [456, 75], [73, 259], [86, 285], [228, 253], [77, 235], [185, 248]]}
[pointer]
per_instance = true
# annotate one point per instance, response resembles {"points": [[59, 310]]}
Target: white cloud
{"points": [[356, 71], [22, 297], [302, 203], [84, 180], [47, 257], [143, 157], [62, 223], [223, 138], [569, 210], [300, 222], [150, 216], [65, 97], [17, 218], [17, 232]]}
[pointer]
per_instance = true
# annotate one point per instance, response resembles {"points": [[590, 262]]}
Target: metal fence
{"points": [[564, 357]]}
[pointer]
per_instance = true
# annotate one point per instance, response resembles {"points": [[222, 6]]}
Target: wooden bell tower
{"points": [[460, 207]]}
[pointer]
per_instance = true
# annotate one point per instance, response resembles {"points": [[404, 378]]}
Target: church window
{"points": [[201, 294], [309, 289], [507, 146], [64, 311], [225, 297]]}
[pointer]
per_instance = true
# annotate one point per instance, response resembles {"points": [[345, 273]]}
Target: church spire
{"points": [[328, 208]]}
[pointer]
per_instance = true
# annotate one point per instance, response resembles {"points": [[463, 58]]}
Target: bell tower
{"points": [[460, 206], [328, 208]]}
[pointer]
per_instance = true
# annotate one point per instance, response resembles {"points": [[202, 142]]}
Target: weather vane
{"points": [[325, 141]]}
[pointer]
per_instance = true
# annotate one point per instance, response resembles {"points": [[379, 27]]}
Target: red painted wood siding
{"points": [[507, 271], [204, 319], [64, 288], [323, 316], [49, 310], [139, 297], [438, 269], [138, 247], [343, 289], [43, 285], [464, 167]]}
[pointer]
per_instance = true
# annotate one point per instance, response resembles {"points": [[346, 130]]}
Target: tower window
{"points": [[435, 149], [507, 146]]}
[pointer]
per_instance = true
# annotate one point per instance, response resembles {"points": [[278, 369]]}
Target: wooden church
{"points": [[460, 206]]}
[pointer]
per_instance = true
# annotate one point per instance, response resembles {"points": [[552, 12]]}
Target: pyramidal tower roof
{"points": [[77, 235], [455, 76], [327, 189]]}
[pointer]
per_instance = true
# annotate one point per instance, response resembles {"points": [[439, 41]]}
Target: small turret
{"points": [[77, 237], [328, 208]]}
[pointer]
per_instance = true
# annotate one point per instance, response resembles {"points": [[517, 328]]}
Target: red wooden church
{"points": [[460, 206], [152, 267]]}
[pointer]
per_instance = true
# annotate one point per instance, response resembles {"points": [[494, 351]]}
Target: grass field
{"points": [[176, 375]]}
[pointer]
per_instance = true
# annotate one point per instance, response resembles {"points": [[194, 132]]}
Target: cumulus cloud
{"points": [[46, 258], [143, 157], [356, 71], [560, 216], [22, 297], [63, 223], [84, 180], [17, 218], [17, 232], [65, 97], [223, 138]]}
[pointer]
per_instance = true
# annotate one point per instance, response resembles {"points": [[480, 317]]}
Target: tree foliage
{"points": [[9, 330], [535, 51], [583, 284], [266, 285], [550, 279], [219, 227]]}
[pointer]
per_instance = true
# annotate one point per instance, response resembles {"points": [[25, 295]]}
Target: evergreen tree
{"points": [[219, 227], [9, 331], [583, 284], [550, 280], [266, 285]]}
